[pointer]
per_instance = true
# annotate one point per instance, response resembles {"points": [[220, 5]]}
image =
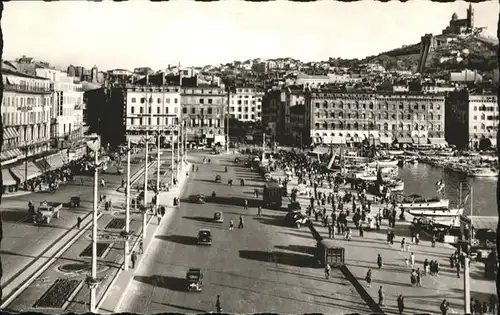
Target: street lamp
{"points": [[92, 280], [145, 201], [127, 210]]}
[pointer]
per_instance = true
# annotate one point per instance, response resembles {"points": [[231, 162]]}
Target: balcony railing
{"points": [[26, 89]]}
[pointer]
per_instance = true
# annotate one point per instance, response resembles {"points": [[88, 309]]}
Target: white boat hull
{"points": [[483, 174], [436, 213], [384, 163], [442, 204]]}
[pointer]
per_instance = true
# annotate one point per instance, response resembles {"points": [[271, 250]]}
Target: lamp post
{"points": [[92, 281], [127, 210], [172, 161], [157, 203], [179, 133]]}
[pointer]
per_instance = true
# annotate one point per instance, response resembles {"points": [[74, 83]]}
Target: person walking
{"points": [[444, 307], [259, 211], [231, 225], [368, 278], [412, 259], [141, 247], [78, 222], [433, 242], [401, 304], [246, 205], [379, 261], [133, 259], [381, 296], [218, 305], [403, 244], [327, 271], [240, 225]]}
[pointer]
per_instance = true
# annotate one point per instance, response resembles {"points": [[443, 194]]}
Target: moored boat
{"points": [[437, 213], [423, 203]]}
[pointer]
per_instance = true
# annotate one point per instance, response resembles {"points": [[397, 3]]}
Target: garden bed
{"points": [[116, 223], [58, 294], [101, 250]]}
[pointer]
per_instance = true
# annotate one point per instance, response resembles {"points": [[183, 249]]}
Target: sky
{"points": [[140, 33]]}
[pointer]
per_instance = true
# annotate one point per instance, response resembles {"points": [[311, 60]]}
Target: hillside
{"points": [[474, 52]]}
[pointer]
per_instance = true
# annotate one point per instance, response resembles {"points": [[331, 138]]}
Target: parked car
{"points": [[204, 237], [296, 219]]}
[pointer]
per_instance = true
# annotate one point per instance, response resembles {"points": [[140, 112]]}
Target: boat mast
{"points": [[460, 195]]}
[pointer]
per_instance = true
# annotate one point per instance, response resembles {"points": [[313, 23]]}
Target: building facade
{"points": [[246, 104], [204, 112], [152, 109], [472, 120], [333, 117], [67, 108], [26, 106]]}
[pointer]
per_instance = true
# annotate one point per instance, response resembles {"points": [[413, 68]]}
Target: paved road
{"points": [[264, 267], [23, 242]]}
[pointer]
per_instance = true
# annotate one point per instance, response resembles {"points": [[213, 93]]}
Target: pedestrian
{"points": [[381, 296], [368, 278], [403, 244], [412, 259], [159, 218], [419, 278], [78, 222], [426, 266], [217, 304], [231, 225], [407, 262], [329, 231], [259, 211], [458, 269], [408, 247], [401, 303], [240, 225], [379, 261], [246, 205], [444, 307], [433, 242], [327, 271], [141, 247], [133, 259]]}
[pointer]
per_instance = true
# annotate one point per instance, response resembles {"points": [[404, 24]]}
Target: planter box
{"points": [[116, 223], [58, 294]]}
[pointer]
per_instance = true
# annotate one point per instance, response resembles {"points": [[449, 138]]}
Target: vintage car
{"points": [[218, 179], [74, 202], [194, 280], [200, 198], [204, 237], [296, 219], [219, 217]]}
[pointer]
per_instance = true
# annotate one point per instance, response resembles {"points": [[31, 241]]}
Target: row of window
{"points": [[484, 108], [482, 127], [35, 133], [372, 126], [201, 110], [489, 117], [159, 121], [35, 83], [245, 102], [25, 118], [370, 115], [26, 101], [379, 106], [246, 116], [158, 110], [158, 100], [245, 109]]}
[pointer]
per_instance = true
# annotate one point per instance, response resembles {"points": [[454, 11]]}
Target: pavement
{"points": [[25, 255], [264, 267], [361, 255]]}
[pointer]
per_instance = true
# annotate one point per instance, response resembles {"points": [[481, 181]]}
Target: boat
{"points": [[482, 172], [384, 163], [438, 214], [396, 184], [418, 202]]}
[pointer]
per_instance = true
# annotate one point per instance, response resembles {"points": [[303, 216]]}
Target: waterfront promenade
{"points": [[361, 255]]}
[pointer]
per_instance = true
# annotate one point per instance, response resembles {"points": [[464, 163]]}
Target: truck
{"points": [[46, 211], [272, 196]]}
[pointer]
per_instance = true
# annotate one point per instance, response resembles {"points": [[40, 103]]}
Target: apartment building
{"points": [[472, 119], [246, 104], [204, 112]]}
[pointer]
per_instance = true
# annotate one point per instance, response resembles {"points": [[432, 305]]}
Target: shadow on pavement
{"points": [[180, 239], [15, 216], [271, 221], [298, 249], [200, 219], [305, 235], [206, 180], [184, 308], [171, 283], [235, 201], [290, 259]]}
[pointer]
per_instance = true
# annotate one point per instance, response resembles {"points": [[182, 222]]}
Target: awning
{"points": [[321, 150], [10, 154], [10, 133], [55, 161], [316, 140], [420, 141], [42, 164], [404, 140], [386, 140], [27, 167], [7, 179], [357, 139], [438, 141], [374, 141]]}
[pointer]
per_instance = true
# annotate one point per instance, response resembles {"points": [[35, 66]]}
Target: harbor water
{"points": [[421, 179]]}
